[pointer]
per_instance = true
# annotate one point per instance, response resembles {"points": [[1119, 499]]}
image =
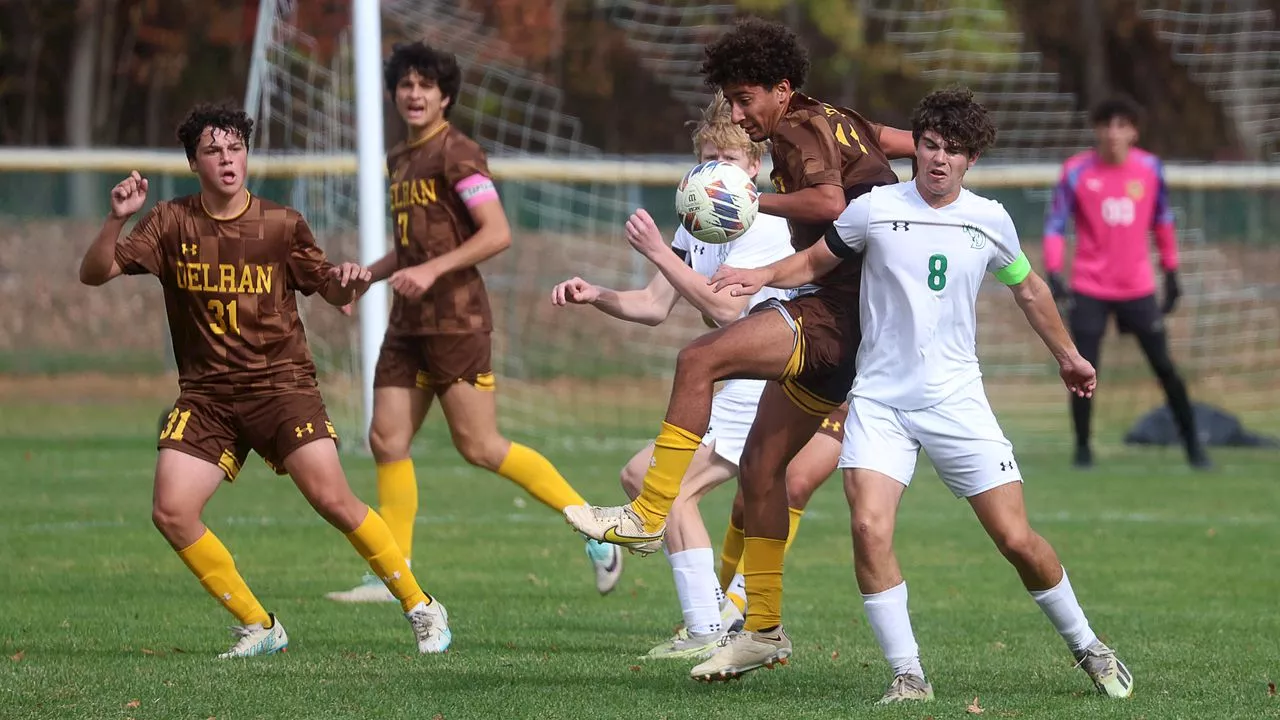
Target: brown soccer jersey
{"points": [[229, 289], [431, 219], [819, 144]]}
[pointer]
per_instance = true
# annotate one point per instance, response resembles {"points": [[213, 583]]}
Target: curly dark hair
{"points": [[756, 52], [226, 117], [961, 121], [436, 65], [1116, 106]]}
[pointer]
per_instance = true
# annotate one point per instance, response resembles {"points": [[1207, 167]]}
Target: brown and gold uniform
{"points": [[244, 368], [442, 337], [833, 423], [820, 144]]}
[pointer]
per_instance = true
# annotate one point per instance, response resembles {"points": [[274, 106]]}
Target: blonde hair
{"points": [[717, 128]]}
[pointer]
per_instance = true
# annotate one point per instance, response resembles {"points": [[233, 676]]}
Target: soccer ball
{"points": [[717, 201]]}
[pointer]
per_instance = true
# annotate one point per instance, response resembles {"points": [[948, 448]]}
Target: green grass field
{"points": [[101, 620]]}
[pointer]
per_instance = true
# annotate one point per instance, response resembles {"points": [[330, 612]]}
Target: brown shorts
{"points": [[434, 362], [833, 424], [820, 372], [222, 430]]}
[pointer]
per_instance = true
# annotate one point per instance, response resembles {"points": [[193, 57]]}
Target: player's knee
{"points": [[389, 444], [175, 524], [339, 507], [800, 487], [698, 360], [1018, 544], [632, 478], [872, 530], [487, 453]]}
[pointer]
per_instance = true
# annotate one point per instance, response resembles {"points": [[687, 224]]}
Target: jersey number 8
{"points": [[937, 272]]}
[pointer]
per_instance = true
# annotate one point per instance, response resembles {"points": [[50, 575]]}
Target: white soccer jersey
{"points": [[766, 241], [920, 278]]}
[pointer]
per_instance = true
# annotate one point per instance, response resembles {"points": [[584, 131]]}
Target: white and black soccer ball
{"points": [[717, 202]]}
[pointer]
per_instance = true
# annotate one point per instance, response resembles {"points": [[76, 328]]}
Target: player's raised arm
{"points": [[897, 144], [311, 272], [648, 306], [100, 263], [643, 234]]}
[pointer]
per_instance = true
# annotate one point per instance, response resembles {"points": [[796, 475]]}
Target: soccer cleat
{"points": [[254, 640], [741, 652], [1083, 458], [370, 590], [1109, 675], [431, 627], [685, 645], [1198, 459], [905, 688], [607, 561], [618, 525]]}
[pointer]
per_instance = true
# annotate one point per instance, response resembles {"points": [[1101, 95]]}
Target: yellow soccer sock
{"points": [[211, 563], [793, 526], [373, 540], [730, 555], [762, 567], [398, 501], [525, 467], [672, 453]]}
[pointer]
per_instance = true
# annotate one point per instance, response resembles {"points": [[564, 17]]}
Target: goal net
{"points": [[573, 375]]}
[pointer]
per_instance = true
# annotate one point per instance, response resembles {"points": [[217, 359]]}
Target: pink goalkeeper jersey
{"points": [[1115, 207]]}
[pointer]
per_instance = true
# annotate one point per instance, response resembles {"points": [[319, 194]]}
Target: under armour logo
{"points": [[832, 426], [699, 249], [190, 249], [308, 429], [1006, 466], [901, 225]]}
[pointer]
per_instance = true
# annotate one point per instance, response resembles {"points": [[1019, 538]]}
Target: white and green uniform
{"points": [[733, 410], [919, 383]]}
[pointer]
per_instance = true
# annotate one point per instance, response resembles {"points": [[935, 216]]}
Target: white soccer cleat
{"points": [[431, 627], [255, 640], [741, 652], [370, 590], [1109, 675], [606, 559], [907, 688], [685, 646], [618, 525]]}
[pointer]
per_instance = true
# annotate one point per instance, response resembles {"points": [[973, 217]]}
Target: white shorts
{"points": [[733, 410], [960, 435]]}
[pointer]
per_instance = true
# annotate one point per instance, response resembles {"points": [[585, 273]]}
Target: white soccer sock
{"points": [[887, 614], [695, 576], [737, 586], [1060, 604]]}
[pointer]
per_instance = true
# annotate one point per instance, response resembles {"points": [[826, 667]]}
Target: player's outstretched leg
{"points": [[183, 485], [1003, 515], [471, 412], [317, 472], [756, 346], [398, 413], [873, 503]]}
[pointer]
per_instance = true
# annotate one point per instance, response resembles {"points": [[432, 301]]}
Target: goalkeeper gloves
{"points": [[1057, 287], [1171, 291]]}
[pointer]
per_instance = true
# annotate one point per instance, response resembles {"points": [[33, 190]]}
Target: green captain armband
{"points": [[1015, 272]]}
